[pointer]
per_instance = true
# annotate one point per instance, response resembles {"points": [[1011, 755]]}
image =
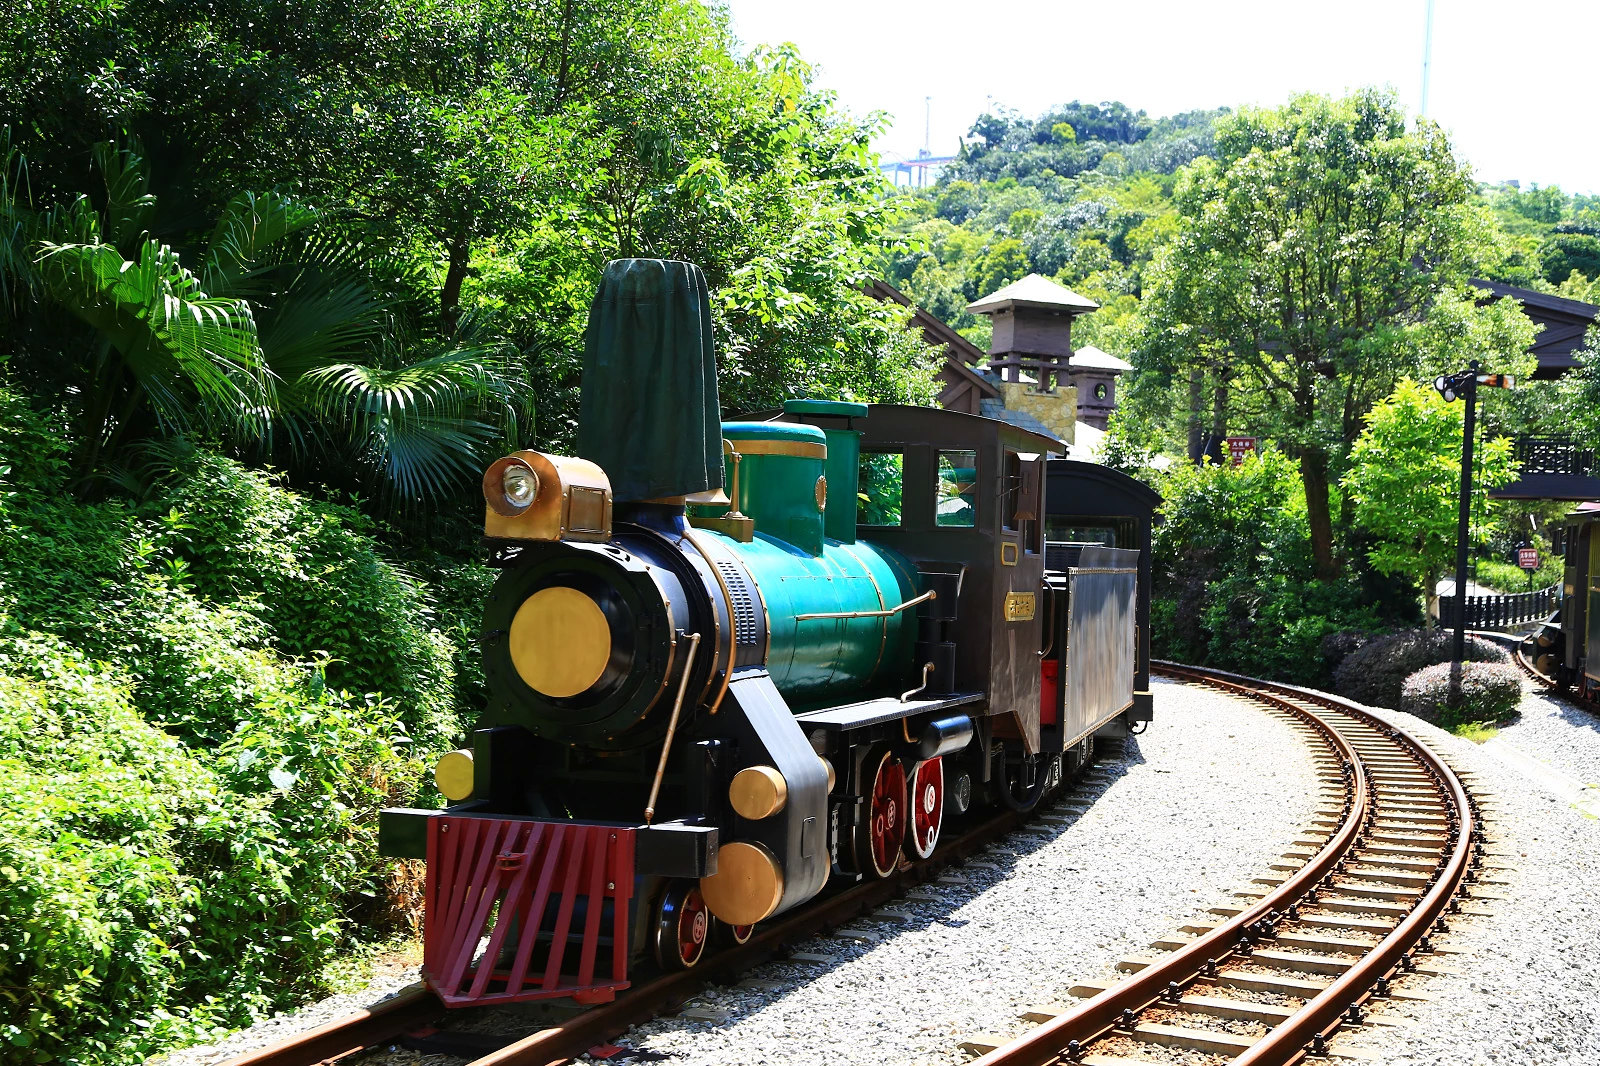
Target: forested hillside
{"points": [[1273, 272], [1082, 194], [1553, 240]]}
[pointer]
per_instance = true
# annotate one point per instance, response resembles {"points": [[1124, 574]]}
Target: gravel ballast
{"points": [[1555, 732], [1169, 828], [1530, 985]]}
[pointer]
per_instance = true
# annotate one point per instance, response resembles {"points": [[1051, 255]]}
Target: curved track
{"points": [[1392, 849]]}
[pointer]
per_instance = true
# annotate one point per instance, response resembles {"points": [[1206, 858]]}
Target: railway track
{"points": [[1548, 684], [1394, 848], [412, 1014]]}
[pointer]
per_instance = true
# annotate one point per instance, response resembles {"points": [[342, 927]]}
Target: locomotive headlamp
{"points": [[510, 486], [519, 485]]}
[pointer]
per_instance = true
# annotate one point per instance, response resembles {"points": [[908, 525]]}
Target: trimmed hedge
{"points": [[1490, 692], [1376, 672]]}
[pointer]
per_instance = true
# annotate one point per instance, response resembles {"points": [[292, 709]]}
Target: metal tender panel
{"points": [[1100, 638]]}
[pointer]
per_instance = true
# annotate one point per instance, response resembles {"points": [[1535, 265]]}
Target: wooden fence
{"points": [[1498, 612]]}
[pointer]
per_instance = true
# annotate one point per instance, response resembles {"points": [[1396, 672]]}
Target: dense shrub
{"points": [[1234, 585], [1490, 692], [1376, 673], [153, 889], [1336, 647], [311, 573], [200, 817]]}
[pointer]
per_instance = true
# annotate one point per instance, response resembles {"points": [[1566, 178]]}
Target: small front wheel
{"points": [[682, 924]]}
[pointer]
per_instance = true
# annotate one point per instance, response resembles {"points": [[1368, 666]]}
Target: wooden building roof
{"points": [[1565, 322], [1036, 292]]}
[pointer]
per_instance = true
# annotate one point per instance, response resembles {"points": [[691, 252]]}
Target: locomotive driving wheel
{"points": [[682, 924], [733, 935], [879, 838], [927, 808]]}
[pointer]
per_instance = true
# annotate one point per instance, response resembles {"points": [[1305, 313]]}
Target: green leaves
{"points": [[414, 421], [1405, 477], [176, 342]]}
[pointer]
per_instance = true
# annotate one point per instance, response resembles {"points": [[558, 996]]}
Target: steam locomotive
{"points": [[732, 664]]}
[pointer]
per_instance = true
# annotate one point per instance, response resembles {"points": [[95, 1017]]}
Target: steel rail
{"points": [[1288, 1043], [415, 1006], [1097, 1017]]}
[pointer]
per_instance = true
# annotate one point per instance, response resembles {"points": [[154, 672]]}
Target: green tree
{"points": [[1405, 480], [1322, 254], [288, 342], [1563, 253]]}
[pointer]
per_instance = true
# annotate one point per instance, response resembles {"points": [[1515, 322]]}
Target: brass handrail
{"points": [[672, 727], [929, 595]]}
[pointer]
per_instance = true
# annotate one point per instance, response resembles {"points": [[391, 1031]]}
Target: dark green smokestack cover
{"points": [[650, 415]]}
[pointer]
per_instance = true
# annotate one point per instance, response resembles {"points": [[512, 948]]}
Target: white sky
{"points": [[1515, 83]]}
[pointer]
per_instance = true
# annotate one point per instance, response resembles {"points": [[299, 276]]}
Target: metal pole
{"points": [[1470, 395], [1427, 58]]}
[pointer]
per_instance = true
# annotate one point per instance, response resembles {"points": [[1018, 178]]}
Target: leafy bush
{"points": [[200, 818], [154, 890], [1506, 577], [1490, 692], [1233, 580], [310, 572], [1336, 647], [1376, 673]]}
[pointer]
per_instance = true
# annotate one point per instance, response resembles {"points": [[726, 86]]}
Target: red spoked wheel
{"points": [[683, 923], [927, 808], [734, 935], [885, 829]]}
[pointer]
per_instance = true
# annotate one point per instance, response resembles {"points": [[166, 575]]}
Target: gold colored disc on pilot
{"points": [[560, 641], [453, 774], [747, 885]]}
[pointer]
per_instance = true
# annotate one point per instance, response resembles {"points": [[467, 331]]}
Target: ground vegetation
{"points": [[1455, 694], [1375, 672]]}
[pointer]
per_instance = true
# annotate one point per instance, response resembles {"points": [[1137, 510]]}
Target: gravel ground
{"points": [[1530, 986], [1151, 837], [1168, 832], [1557, 733]]}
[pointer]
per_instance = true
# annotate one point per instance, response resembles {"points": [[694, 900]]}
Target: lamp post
{"points": [[1465, 384]]}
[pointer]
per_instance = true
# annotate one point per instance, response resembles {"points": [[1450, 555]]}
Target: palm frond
{"points": [[17, 223], [173, 338], [129, 205], [250, 225], [421, 425]]}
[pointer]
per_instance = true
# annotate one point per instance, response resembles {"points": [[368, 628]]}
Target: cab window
{"points": [[882, 487], [956, 489]]}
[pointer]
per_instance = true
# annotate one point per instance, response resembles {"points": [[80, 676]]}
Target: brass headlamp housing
{"points": [[534, 496]]}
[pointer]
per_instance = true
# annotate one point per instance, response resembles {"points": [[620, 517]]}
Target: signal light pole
{"points": [[1465, 385]]}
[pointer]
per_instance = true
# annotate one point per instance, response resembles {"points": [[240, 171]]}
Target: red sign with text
{"points": [[1528, 558], [1239, 447]]}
